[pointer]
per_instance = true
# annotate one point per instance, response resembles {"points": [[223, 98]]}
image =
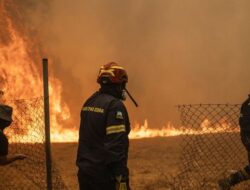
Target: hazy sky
{"points": [[175, 51]]}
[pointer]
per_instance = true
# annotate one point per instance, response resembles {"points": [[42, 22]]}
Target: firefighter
{"points": [[244, 174], [5, 121], [103, 137]]}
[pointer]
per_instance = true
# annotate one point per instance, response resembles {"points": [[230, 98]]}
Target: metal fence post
{"points": [[47, 123]]}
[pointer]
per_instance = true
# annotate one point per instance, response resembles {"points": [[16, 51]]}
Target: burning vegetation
{"points": [[20, 68]]}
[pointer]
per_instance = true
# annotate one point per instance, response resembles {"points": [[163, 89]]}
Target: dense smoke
{"points": [[175, 51]]}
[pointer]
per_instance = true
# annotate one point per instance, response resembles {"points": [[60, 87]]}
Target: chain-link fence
{"points": [[211, 148], [27, 136]]}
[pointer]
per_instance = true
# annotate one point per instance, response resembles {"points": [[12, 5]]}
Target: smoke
{"points": [[175, 52]]}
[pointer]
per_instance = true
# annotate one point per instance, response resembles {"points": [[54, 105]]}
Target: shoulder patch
{"points": [[119, 115]]}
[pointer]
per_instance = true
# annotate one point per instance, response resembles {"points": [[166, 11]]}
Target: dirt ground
{"points": [[150, 162], [154, 163]]}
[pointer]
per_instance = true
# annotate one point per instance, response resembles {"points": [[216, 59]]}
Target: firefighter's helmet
{"points": [[112, 73]]}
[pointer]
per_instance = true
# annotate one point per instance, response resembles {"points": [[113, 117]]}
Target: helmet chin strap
{"points": [[130, 96]]}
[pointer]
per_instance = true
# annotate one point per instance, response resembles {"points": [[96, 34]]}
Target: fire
{"points": [[21, 72], [15, 66], [21, 78], [144, 131]]}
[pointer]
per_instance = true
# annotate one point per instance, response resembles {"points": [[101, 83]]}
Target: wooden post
{"points": [[47, 123]]}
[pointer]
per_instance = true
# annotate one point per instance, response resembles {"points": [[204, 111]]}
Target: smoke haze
{"points": [[175, 52]]}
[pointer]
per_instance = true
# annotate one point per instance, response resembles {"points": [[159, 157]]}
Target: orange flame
{"points": [[20, 74], [144, 131], [15, 67]]}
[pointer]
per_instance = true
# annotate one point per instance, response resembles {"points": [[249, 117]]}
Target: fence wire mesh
{"points": [[211, 146], [27, 136]]}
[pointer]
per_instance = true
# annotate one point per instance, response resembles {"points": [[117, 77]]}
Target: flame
{"points": [[144, 131], [16, 68], [21, 76]]}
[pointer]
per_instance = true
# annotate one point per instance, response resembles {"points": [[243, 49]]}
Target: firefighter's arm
{"points": [[7, 159], [116, 144], [117, 159]]}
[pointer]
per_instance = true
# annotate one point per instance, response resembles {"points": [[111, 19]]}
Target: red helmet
{"points": [[112, 73]]}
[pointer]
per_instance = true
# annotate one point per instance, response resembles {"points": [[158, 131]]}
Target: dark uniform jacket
{"points": [[244, 120], [103, 138], [3, 144]]}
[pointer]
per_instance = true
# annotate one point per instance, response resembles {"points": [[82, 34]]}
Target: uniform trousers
{"points": [[88, 183]]}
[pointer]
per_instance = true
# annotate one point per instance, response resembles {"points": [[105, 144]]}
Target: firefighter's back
{"points": [[91, 151]]}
